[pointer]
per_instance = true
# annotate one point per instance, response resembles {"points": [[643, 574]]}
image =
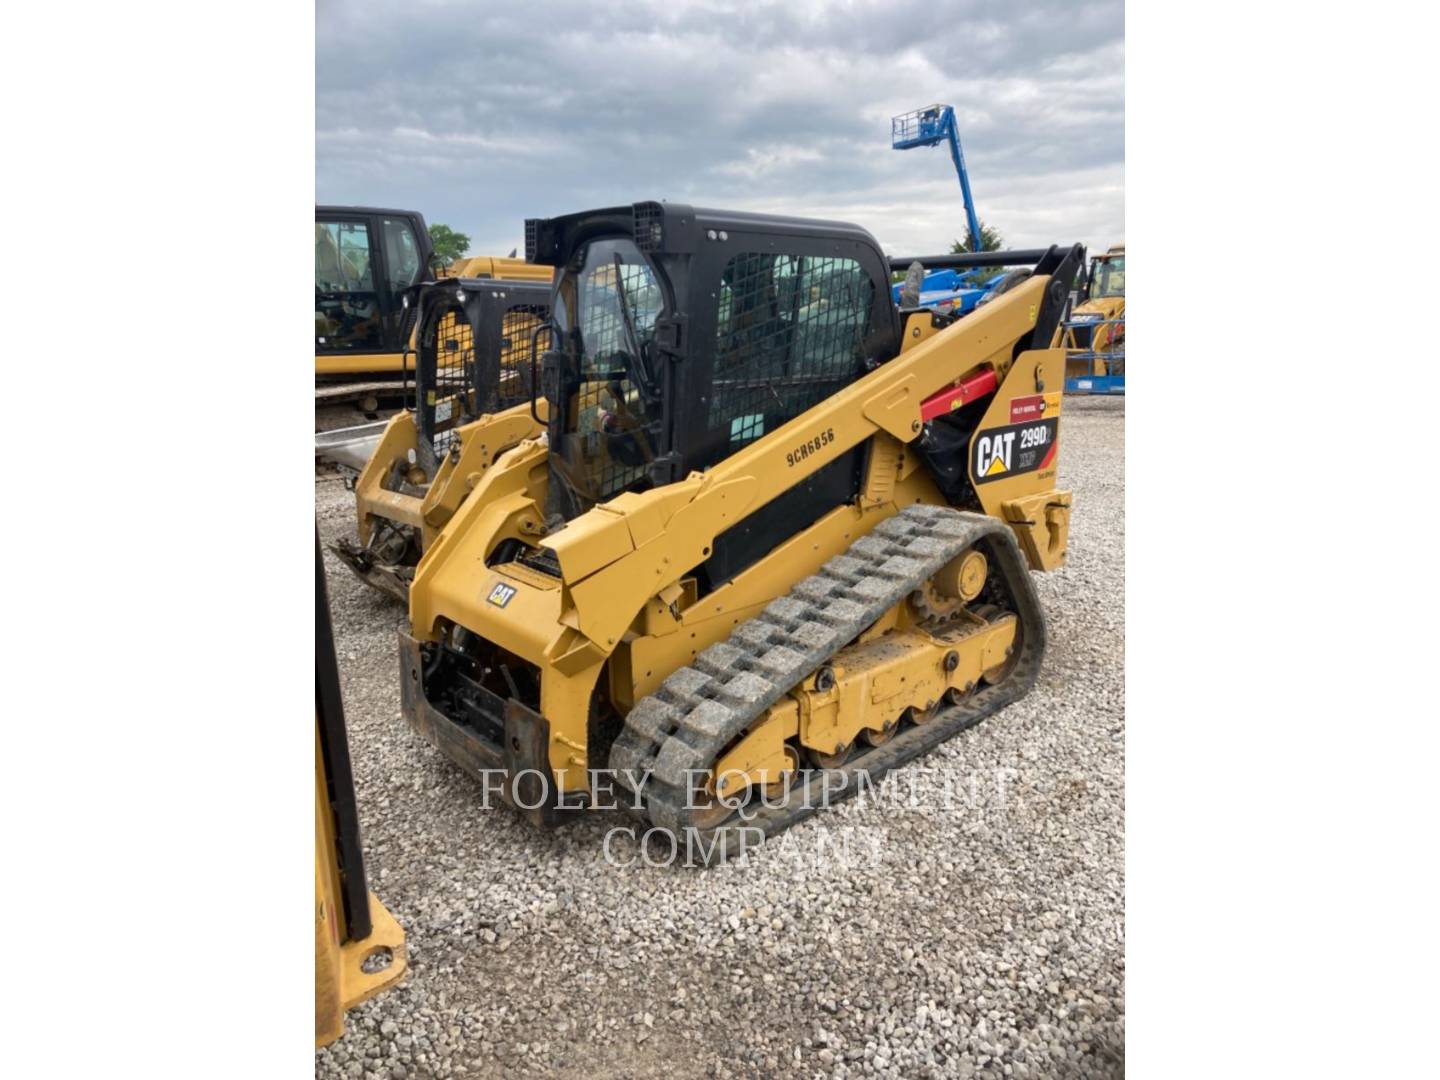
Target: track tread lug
{"points": [[845, 568], [719, 659], [745, 688], [687, 685], [677, 762], [786, 610], [654, 718], [754, 634], [816, 589], [841, 612], [871, 547]]}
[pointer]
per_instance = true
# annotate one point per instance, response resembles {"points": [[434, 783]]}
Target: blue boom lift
{"points": [[950, 290]]}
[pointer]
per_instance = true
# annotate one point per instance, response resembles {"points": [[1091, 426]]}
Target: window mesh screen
{"points": [[454, 347], [790, 333], [517, 331], [649, 225]]}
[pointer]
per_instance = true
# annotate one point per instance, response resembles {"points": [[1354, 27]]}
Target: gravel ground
{"points": [[970, 921]]}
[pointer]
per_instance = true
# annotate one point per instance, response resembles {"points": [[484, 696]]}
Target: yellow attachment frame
{"points": [[480, 443]]}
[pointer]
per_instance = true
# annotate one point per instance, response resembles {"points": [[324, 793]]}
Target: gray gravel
{"points": [[968, 922]]}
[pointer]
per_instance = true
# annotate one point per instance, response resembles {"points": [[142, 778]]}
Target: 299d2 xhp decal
{"points": [[1017, 448]]}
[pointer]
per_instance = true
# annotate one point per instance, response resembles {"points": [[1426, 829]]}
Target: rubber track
{"points": [[677, 733]]}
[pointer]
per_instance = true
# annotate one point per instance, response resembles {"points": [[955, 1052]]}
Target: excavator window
{"points": [[789, 333], [402, 254], [342, 257], [347, 307]]}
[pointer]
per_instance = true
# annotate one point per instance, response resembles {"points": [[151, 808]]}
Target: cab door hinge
{"points": [[670, 335], [665, 469]]}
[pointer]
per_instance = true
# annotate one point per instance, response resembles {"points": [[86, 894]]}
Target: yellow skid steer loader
{"points": [[769, 536], [474, 347]]}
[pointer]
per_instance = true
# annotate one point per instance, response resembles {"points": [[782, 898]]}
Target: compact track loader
{"points": [[475, 341], [775, 533]]}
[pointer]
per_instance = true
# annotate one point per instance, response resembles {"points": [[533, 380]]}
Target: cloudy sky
{"points": [[480, 114]]}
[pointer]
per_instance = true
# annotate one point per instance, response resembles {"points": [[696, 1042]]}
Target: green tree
{"points": [[989, 241], [449, 244]]}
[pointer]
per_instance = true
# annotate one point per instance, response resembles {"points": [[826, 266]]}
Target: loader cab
{"points": [[365, 259], [683, 334], [474, 353], [1107, 276]]}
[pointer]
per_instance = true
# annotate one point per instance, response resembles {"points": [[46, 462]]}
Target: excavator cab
{"points": [[365, 260]]}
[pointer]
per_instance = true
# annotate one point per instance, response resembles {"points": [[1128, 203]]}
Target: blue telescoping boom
{"points": [[931, 126], [954, 291]]}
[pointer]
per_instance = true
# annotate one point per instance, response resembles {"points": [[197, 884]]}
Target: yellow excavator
{"points": [[359, 947], [366, 260], [757, 530]]}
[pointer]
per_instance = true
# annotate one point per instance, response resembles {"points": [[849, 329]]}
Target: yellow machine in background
{"points": [[359, 947], [474, 350], [774, 527], [481, 267], [1094, 334], [366, 260]]}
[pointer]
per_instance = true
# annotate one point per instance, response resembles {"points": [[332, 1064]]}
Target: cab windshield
{"points": [[1107, 277], [609, 406]]}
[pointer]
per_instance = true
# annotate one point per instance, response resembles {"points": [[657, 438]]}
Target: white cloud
{"points": [[481, 115]]}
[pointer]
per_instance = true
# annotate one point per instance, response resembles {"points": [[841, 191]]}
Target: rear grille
{"points": [[649, 226]]}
